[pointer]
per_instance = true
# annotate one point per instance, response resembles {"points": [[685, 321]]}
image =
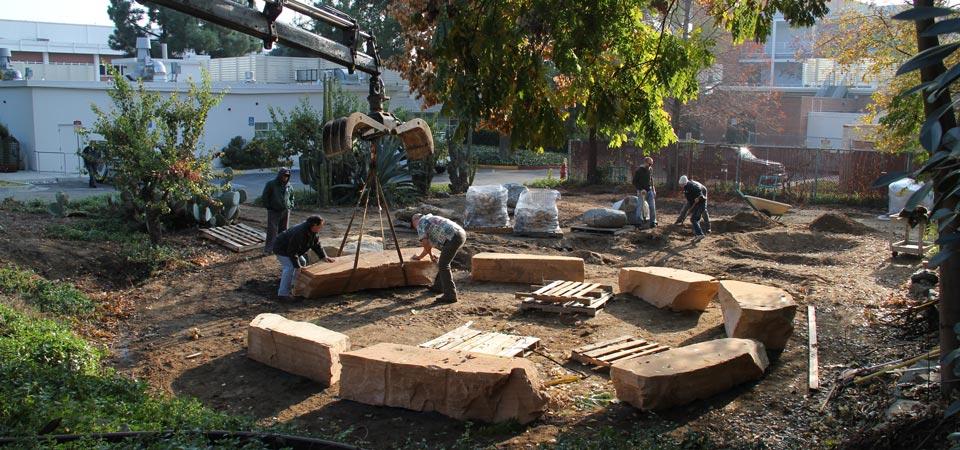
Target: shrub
{"points": [[53, 297], [256, 154], [491, 156]]}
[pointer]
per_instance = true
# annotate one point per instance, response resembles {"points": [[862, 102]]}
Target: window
{"points": [[262, 129], [117, 67], [308, 75]]}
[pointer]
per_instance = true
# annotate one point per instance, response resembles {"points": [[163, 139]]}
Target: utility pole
{"points": [[672, 176]]}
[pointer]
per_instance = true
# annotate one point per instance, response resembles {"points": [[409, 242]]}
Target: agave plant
{"points": [[393, 173]]}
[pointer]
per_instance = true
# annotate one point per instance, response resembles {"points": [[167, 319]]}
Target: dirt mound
{"points": [[839, 223], [600, 259], [742, 221], [787, 247]]}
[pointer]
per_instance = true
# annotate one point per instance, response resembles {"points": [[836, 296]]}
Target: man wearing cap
{"points": [[292, 245], [278, 199], [696, 195], [445, 234], [643, 181]]}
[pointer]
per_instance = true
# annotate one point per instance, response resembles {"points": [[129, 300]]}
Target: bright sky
{"points": [[87, 12], [94, 12]]}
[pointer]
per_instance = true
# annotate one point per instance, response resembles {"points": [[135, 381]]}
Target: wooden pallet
{"points": [[539, 234], [580, 229], [239, 238], [467, 339], [566, 297], [604, 354]]}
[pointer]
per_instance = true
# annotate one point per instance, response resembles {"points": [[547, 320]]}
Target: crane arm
{"points": [[249, 21]]}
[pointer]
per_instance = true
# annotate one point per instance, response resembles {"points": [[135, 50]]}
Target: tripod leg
{"points": [[363, 223], [393, 232], [353, 217]]}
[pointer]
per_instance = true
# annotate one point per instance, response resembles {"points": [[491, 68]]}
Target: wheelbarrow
{"points": [[766, 207]]}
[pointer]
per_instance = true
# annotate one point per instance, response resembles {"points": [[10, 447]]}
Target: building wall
{"points": [[35, 57], [824, 127], [41, 115]]}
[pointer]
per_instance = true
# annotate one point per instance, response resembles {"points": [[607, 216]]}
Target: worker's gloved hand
{"points": [[303, 260], [678, 222], [433, 258]]}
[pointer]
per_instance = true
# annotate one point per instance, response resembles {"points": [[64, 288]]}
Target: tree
{"points": [[153, 144], [867, 41], [520, 67], [940, 136], [179, 31]]}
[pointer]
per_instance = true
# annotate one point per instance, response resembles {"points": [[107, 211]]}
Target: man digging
{"points": [[696, 195], [440, 232], [278, 199], [291, 246]]}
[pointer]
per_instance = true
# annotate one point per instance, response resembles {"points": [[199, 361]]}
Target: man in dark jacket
{"points": [[90, 162], [696, 195], [278, 199], [643, 181], [291, 245]]}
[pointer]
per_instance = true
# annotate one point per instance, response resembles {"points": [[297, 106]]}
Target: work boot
{"points": [[436, 288], [445, 299], [284, 299]]}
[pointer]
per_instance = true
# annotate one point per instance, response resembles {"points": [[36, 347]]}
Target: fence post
{"points": [[816, 175]]}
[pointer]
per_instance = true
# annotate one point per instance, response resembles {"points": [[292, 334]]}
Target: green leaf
{"points": [[952, 409], [928, 57], [942, 256], [918, 196], [942, 27], [923, 12], [933, 162], [930, 134], [890, 178]]}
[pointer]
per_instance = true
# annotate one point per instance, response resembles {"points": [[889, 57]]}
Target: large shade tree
{"points": [[521, 66]]}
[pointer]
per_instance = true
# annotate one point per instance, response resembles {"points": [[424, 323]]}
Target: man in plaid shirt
{"points": [[440, 232]]}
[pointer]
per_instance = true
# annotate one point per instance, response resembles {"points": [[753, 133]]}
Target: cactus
{"points": [[243, 196], [223, 210], [62, 206]]}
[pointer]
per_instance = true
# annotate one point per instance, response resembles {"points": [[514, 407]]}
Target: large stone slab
{"points": [[374, 271], [755, 311], [521, 268], [682, 375], [300, 348], [664, 287], [605, 218], [462, 385], [369, 244]]}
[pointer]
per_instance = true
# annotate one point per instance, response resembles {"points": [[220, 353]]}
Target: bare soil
{"points": [[846, 277]]}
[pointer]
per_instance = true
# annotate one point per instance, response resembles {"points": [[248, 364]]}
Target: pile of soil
{"points": [[839, 223], [787, 247], [742, 221]]}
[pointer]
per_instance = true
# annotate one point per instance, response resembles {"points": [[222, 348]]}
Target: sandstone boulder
{"points": [[605, 218], [754, 311], [682, 375], [462, 385], [300, 348], [521, 268], [369, 244], [374, 271], [664, 287]]}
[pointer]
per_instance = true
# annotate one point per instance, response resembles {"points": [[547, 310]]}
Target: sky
{"points": [[94, 12]]}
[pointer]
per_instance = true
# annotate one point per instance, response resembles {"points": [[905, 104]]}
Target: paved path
{"points": [[20, 188]]}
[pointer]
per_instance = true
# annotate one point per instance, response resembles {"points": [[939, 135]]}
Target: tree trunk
{"points": [[672, 163], [505, 147], [460, 167], [593, 173], [153, 226], [949, 282]]}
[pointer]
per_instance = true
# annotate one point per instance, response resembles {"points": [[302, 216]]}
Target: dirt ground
{"points": [[847, 277]]}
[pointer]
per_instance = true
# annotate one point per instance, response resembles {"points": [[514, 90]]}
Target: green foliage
{"points": [[179, 31], [154, 142], [547, 183], [439, 188], [643, 436], [48, 373], [239, 154], [60, 208], [491, 156], [54, 297], [393, 174]]}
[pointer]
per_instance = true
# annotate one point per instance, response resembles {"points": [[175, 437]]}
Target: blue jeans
{"points": [[286, 276], [652, 202], [699, 212]]}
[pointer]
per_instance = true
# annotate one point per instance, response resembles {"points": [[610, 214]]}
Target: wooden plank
{"points": [[631, 351], [459, 341], [556, 289], [546, 288], [221, 240], [455, 334], [589, 287], [259, 233], [570, 307], [475, 342], [587, 348], [495, 344], [813, 366], [524, 344], [633, 342], [569, 290]]}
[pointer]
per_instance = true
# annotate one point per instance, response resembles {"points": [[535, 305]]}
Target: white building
{"points": [[58, 51], [41, 115]]}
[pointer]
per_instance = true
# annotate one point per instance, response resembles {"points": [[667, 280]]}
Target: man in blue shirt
{"points": [[696, 195], [440, 232]]}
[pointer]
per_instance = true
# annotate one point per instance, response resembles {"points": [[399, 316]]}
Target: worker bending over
{"points": [[440, 232], [696, 195], [291, 246]]}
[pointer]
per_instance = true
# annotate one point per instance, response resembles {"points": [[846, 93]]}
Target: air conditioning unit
{"points": [[248, 77]]}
